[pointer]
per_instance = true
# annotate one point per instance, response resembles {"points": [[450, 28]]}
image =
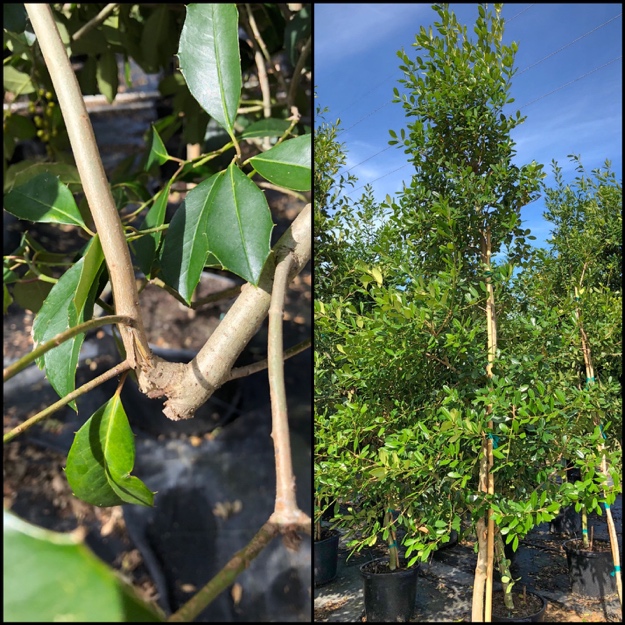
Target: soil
{"points": [[35, 487], [444, 587], [525, 605]]}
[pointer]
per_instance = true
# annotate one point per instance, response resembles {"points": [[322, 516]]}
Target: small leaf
{"points": [[44, 199], [17, 82], [107, 76], [145, 248], [377, 274], [210, 60], [158, 151], [101, 459], [287, 164], [266, 128]]}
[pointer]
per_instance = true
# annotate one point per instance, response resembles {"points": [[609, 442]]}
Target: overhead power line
{"points": [[521, 72], [569, 44], [527, 104], [592, 71], [519, 13]]}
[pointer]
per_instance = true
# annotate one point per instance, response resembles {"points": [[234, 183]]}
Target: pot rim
{"points": [[415, 568], [529, 592]]}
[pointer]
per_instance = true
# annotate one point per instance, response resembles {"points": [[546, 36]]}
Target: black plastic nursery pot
{"points": [[326, 554], [389, 595], [536, 614], [591, 572]]}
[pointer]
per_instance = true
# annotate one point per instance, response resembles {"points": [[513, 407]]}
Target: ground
{"points": [[35, 486]]}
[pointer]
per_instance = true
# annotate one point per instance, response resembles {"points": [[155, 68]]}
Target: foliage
{"points": [[33, 558], [224, 221], [402, 400]]}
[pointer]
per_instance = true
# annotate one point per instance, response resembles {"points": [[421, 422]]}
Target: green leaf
{"points": [[107, 75], [56, 577], [158, 151], [239, 225], [378, 472], [186, 245], [21, 173], [156, 37], [101, 459], [17, 82], [14, 17], [287, 164], [266, 128], [7, 299], [210, 59], [226, 215], [30, 293], [145, 247], [64, 308], [44, 199]]}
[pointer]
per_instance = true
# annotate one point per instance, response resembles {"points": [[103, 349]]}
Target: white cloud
{"points": [[350, 29]]}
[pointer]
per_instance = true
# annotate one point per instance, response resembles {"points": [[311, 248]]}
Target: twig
{"points": [[23, 362], [297, 73], [241, 372], [239, 562], [98, 19], [85, 388]]}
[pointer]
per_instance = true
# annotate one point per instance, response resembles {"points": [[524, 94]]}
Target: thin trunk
{"points": [[590, 378], [483, 584]]}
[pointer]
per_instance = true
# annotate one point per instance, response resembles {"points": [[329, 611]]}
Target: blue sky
{"points": [[356, 69]]}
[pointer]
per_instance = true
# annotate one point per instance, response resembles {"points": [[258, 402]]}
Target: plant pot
{"points": [[326, 554], [453, 541], [389, 595], [591, 572], [533, 612]]}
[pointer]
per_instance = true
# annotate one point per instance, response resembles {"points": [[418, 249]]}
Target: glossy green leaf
{"points": [[17, 82], [21, 173], [186, 245], [43, 199], [51, 577], [107, 75], [210, 59], [63, 309], [145, 247], [226, 215], [101, 459], [266, 128], [287, 164], [239, 225], [158, 151]]}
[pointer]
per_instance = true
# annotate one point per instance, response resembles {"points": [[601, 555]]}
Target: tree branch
{"points": [[189, 386], [94, 182]]}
